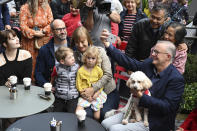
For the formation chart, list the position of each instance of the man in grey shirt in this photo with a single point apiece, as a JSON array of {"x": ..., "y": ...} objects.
[{"x": 97, "y": 21}]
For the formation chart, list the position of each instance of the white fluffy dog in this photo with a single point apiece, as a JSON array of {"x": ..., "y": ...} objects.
[{"x": 138, "y": 81}]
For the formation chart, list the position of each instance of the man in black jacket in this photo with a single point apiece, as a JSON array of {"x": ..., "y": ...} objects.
[
  {"x": 60, "y": 8},
  {"x": 146, "y": 32}
]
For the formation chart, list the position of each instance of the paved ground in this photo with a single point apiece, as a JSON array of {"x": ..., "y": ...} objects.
[{"x": 180, "y": 119}]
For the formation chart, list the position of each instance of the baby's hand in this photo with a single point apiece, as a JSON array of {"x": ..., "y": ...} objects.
[
  {"x": 90, "y": 99},
  {"x": 96, "y": 95}
]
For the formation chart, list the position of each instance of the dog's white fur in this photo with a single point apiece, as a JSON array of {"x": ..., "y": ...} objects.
[{"x": 138, "y": 81}]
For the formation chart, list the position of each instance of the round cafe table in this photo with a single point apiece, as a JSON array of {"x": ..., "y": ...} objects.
[
  {"x": 40, "y": 122},
  {"x": 27, "y": 102}
]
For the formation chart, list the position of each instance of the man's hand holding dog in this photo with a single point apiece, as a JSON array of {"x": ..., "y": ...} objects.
[{"x": 136, "y": 93}]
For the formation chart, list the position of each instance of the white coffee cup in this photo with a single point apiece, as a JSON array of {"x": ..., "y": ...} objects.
[
  {"x": 13, "y": 80},
  {"x": 47, "y": 88},
  {"x": 27, "y": 83},
  {"x": 81, "y": 115}
]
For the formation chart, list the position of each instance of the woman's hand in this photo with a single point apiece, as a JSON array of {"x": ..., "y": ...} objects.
[
  {"x": 90, "y": 3},
  {"x": 180, "y": 129},
  {"x": 8, "y": 84},
  {"x": 39, "y": 34},
  {"x": 53, "y": 90},
  {"x": 104, "y": 35},
  {"x": 87, "y": 93},
  {"x": 118, "y": 41}
]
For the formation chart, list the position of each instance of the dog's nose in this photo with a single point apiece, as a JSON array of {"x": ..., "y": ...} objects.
[{"x": 135, "y": 87}]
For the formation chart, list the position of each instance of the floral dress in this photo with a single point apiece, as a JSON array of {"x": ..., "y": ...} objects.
[{"x": 42, "y": 20}]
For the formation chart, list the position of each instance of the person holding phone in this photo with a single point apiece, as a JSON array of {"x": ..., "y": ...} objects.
[{"x": 99, "y": 18}]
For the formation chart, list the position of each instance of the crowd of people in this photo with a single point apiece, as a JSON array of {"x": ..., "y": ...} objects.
[{"x": 67, "y": 43}]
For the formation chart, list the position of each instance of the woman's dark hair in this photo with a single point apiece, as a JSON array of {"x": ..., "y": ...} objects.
[
  {"x": 182, "y": 2},
  {"x": 5, "y": 35},
  {"x": 180, "y": 32}
]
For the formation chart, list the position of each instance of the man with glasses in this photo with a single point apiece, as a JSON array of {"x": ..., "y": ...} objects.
[
  {"x": 46, "y": 57},
  {"x": 166, "y": 92},
  {"x": 146, "y": 32}
]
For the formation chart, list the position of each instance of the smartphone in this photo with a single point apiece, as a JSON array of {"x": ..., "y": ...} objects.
[
  {"x": 44, "y": 97},
  {"x": 111, "y": 38},
  {"x": 36, "y": 28}
]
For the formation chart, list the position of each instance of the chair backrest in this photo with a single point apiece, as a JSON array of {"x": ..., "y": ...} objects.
[
  {"x": 191, "y": 31},
  {"x": 191, "y": 35},
  {"x": 118, "y": 74}
]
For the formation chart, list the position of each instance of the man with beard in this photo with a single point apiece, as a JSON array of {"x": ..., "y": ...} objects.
[
  {"x": 46, "y": 57},
  {"x": 146, "y": 32}
]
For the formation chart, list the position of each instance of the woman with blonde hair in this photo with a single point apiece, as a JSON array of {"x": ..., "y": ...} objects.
[{"x": 35, "y": 19}]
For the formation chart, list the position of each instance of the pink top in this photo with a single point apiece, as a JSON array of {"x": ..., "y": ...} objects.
[
  {"x": 71, "y": 22},
  {"x": 180, "y": 60}
]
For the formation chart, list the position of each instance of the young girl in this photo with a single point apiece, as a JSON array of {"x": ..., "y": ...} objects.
[
  {"x": 64, "y": 74},
  {"x": 88, "y": 74}
]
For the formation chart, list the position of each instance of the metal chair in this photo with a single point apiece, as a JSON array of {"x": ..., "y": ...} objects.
[{"x": 191, "y": 35}]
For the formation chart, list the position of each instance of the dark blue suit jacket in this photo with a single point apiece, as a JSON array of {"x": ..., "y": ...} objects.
[
  {"x": 166, "y": 92},
  {"x": 44, "y": 63}
]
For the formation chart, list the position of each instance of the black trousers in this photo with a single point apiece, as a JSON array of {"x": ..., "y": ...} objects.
[{"x": 61, "y": 105}]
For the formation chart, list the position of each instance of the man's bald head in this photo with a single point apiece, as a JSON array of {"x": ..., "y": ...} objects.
[{"x": 56, "y": 22}]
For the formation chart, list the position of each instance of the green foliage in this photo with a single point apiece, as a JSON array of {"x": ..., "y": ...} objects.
[
  {"x": 189, "y": 97},
  {"x": 190, "y": 91},
  {"x": 189, "y": 2},
  {"x": 190, "y": 74}
]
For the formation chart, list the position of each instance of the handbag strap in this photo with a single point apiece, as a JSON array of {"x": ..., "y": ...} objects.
[{"x": 178, "y": 11}]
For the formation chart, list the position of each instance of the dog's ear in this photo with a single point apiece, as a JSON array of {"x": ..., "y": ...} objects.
[
  {"x": 147, "y": 83},
  {"x": 128, "y": 83}
]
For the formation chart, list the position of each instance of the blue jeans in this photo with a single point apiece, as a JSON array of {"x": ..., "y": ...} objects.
[
  {"x": 111, "y": 103},
  {"x": 113, "y": 123}
]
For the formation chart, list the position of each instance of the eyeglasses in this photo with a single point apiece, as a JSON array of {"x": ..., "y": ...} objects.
[
  {"x": 60, "y": 29},
  {"x": 158, "y": 52}
]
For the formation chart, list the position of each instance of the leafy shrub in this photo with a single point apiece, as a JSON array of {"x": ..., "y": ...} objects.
[
  {"x": 190, "y": 74},
  {"x": 190, "y": 91},
  {"x": 189, "y": 97}
]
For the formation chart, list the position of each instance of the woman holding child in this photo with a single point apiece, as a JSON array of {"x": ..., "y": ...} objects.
[
  {"x": 13, "y": 61},
  {"x": 81, "y": 40}
]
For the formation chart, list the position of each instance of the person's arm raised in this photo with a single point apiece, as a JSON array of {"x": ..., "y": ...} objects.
[
  {"x": 89, "y": 22},
  {"x": 104, "y": 35},
  {"x": 114, "y": 17}
]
